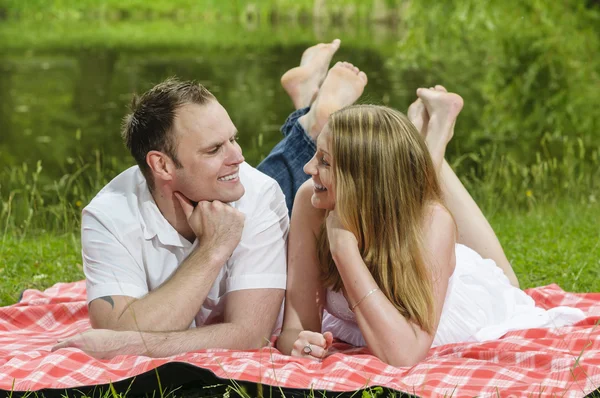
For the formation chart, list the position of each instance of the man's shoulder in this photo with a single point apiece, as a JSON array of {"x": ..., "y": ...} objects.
[
  {"x": 119, "y": 198},
  {"x": 262, "y": 191},
  {"x": 256, "y": 184},
  {"x": 253, "y": 178}
]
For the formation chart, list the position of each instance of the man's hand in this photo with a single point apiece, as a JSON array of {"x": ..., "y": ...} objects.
[
  {"x": 217, "y": 225},
  {"x": 104, "y": 344}
]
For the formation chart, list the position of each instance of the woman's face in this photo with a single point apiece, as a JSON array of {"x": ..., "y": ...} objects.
[{"x": 320, "y": 168}]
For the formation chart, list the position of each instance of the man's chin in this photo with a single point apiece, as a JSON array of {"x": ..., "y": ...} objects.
[{"x": 235, "y": 195}]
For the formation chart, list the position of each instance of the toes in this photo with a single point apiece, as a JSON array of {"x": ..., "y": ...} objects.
[
  {"x": 363, "y": 76},
  {"x": 439, "y": 87},
  {"x": 421, "y": 92},
  {"x": 335, "y": 44}
]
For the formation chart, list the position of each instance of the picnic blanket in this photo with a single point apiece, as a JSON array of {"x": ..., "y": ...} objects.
[{"x": 539, "y": 362}]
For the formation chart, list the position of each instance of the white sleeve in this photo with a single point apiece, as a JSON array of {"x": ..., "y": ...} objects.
[
  {"x": 110, "y": 269},
  {"x": 259, "y": 261}
]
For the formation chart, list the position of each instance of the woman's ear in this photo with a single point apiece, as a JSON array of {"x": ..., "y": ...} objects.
[{"x": 161, "y": 165}]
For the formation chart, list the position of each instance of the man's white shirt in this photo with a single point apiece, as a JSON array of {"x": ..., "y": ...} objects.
[{"x": 130, "y": 249}]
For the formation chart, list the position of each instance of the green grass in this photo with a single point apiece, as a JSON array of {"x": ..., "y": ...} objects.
[
  {"x": 36, "y": 262},
  {"x": 557, "y": 243}
]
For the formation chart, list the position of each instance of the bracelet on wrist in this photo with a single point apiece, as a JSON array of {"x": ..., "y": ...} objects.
[{"x": 363, "y": 299}]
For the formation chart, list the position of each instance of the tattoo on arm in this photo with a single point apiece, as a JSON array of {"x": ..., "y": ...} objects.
[{"x": 108, "y": 299}]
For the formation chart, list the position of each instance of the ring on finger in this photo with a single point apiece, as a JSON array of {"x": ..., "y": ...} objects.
[{"x": 307, "y": 349}]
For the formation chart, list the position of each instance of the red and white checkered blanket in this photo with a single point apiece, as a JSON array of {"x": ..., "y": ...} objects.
[{"x": 538, "y": 362}]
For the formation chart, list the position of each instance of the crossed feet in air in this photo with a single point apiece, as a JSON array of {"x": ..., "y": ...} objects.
[
  {"x": 343, "y": 85},
  {"x": 327, "y": 91},
  {"x": 434, "y": 115},
  {"x": 434, "y": 112},
  {"x": 302, "y": 82}
]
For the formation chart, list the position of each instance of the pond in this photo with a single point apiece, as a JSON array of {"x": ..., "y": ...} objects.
[
  {"x": 62, "y": 99},
  {"x": 65, "y": 103}
]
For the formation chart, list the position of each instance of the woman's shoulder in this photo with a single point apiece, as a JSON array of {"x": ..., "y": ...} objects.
[{"x": 304, "y": 212}]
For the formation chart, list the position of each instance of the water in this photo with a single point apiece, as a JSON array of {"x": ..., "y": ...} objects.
[
  {"x": 58, "y": 105},
  {"x": 62, "y": 101}
]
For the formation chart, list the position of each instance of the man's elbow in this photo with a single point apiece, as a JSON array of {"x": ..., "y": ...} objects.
[
  {"x": 248, "y": 339},
  {"x": 257, "y": 342},
  {"x": 107, "y": 324}
]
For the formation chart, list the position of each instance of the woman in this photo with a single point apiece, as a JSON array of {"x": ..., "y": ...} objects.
[{"x": 373, "y": 257}]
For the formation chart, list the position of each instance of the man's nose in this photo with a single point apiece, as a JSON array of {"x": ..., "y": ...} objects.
[{"x": 235, "y": 154}]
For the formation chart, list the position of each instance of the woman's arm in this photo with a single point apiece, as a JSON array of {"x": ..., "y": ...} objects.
[
  {"x": 390, "y": 336},
  {"x": 305, "y": 296}
]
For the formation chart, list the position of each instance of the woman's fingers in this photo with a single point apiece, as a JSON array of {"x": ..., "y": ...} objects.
[
  {"x": 328, "y": 339},
  {"x": 316, "y": 353},
  {"x": 310, "y": 345},
  {"x": 312, "y": 338}
]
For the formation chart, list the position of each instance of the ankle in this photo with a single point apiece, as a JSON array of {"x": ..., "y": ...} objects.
[{"x": 310, "y": 125}]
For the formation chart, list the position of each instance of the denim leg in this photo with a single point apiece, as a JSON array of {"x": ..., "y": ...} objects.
[{"x": 286, "y": 161}]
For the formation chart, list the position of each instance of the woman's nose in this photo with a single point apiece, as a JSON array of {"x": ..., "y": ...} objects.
[{"x": 309, "y": 168}]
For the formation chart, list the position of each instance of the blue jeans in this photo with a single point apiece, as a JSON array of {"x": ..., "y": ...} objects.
[{"x": 286, "y": 161}]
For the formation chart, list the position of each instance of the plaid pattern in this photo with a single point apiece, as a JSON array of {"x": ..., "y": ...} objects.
[{"x": 537, "y": 362}]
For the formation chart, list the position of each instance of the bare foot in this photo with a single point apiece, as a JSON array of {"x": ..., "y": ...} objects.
[
  {"x": 343, "y": 85},
  {"x": 302, "y": 82},
  {"x": 443, "y": 109},
  {"x": 418, "y": 115}
]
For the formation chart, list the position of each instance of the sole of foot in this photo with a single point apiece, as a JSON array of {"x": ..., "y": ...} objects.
[
  {"x": 442, "y": 108},
  {"x": 440, "y": 104},
  {"x": 418, "y": 115},
  {"x": 343, "y": 85},
  {"x": 302, "y": 82}
]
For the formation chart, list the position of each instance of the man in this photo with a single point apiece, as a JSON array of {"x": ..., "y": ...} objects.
[{"x": 192, "y": 236}]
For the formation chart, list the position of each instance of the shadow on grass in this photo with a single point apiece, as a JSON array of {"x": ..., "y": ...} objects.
[{"x": 174, "y": 380}]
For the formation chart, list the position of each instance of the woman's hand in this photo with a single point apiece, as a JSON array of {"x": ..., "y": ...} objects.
[
  {"x": 339, "y": 237},
  {"x": 102, "y": 343},
  {"x": 312, "y": 345}
]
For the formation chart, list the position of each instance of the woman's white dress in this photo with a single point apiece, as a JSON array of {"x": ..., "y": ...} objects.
[{"x": 480, "y": 305}]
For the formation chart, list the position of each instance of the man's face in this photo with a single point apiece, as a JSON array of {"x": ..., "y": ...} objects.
[{"x": 209, "y": 153}]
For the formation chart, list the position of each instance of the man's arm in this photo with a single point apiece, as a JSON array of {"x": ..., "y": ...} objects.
[
  {"x": 174, "y": 304},
  {"x": 244, "y": 326},
  {"x": 244, "y": 329}
]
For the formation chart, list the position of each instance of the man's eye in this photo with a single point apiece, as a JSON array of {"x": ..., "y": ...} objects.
[{"x": 214, "y": 150}]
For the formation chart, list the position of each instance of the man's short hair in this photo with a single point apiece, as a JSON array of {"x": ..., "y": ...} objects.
[{"x": 148, "y": 126}]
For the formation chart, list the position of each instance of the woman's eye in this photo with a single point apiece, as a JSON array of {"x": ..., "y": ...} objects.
[{"x": 323, "y": 161}]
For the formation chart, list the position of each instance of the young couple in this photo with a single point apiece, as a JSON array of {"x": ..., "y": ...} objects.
[{"x": 386, "y": 248}]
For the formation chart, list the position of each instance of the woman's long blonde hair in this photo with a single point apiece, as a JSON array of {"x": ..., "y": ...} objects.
[{"x": 384, "y": 180}]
